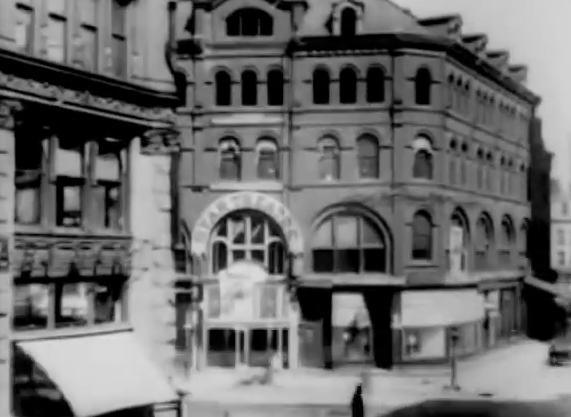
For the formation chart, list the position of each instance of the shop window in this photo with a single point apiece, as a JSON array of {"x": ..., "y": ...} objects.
[
  {"x": 423, "y": 86},
  {"x": 275, "y": 87},
  {"x": 249, "y": 88},
  {"x": 223, "y": 87},
  {"x": 368, "y": 155},
  {"x": 71, "y": 303},
  {"x": 118, "y": 38},
  {"x": 423, "y": 164},
  {"x": 108, "y": 190},
  {"x": 329, "y": 159},
  {"x": 268, "y": 159},
  {"x": 248, "y": 236},
  {"x": 24, "y": 28},
  {"x": 348, "y": 243},
  {"x": 421, "y": 236},
  {"x": 348, "y": 22},
  {"x": 69, "y": 167},
  {"x": 249, "y": 22},
  {"x": 30, "y": 306},
  {"x": 30, "y": 156},
  {"x": 321, "y": 86},
  {"x": 375, "y": 85},
  {"x": 108, "y": 303},
  {"x": 348, "y": 86},
  {"x": 230, "y": 160}
]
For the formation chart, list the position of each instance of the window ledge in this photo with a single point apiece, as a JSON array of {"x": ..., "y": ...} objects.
[
  {"x": 247, "y": 186},
  {"x": 423, "y": 263}
]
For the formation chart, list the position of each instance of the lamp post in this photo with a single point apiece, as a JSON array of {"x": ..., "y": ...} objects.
[{"x": 454, "y": 337}]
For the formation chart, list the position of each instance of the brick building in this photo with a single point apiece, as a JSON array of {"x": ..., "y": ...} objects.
[
  {"x": 86, "y": 128},
  {"x": 352, "y": 184}
]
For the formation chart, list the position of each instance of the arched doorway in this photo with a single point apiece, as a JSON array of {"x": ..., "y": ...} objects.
[{"x": 247, "y": 317}]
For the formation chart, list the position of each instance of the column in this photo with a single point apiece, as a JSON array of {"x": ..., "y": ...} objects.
[{"x": 7, "y": 110}]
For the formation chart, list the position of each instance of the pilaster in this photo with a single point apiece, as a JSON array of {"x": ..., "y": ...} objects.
[{"x": 7, "y": 111}]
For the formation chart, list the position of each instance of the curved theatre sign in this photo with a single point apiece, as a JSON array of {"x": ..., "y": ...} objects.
[{"x": 245, "y": 201}]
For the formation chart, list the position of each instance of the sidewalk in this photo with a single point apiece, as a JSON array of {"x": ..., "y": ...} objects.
[{"x": 515, "y": 371}]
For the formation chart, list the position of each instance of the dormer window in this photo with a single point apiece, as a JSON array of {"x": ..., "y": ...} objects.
[{"x": 249, "y": 22}]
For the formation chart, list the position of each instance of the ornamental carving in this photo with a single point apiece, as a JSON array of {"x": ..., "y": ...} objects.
[
  {"x": 66, "y": 256},
  {"x": 8, "y": 109},
  {"x": 82, "y": 98}
]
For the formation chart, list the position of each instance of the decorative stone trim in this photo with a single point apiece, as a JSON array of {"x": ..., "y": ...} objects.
[
  {"x": 62, "y": 95},
  {"x": 160, "y": 141}
]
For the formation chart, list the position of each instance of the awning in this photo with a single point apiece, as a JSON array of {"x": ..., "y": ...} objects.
[{"x": 99, "y": 374}]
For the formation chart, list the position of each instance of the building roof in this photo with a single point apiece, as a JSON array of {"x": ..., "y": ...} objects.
[{"x": 381, "y": 16}]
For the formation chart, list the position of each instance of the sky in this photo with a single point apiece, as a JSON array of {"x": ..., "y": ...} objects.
[{"x": 537, "y": 34}]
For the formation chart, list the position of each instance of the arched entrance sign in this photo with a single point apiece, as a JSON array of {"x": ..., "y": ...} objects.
[{"x": 246, "y": 200}]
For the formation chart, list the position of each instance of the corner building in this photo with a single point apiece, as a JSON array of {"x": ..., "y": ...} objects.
[
  {"x": 86, "y": 130},
  {"x": 352, "y": 184}
]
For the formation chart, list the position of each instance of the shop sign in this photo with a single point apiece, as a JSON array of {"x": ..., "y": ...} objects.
[
  {"x": 240, "y": 201},
  {"x": 4, "y": 254}
]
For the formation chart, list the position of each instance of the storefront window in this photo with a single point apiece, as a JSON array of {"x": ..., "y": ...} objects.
[
  {"x": 30, "y": 306},
  {"x": 71, "y": 305},
  {"x": 107, "y": 302},
  {"x": 247, "y": 236},
  {"x": 348, "y": 243},
  {"x": 69, "y": 162}
]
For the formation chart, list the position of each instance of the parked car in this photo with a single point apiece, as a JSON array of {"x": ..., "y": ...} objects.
[{"x": 560, "y": 349}]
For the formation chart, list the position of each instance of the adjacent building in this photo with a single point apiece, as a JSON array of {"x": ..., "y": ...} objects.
[
  {"x": 86, "y": 130},
  {"x": 352, "y": 184}
]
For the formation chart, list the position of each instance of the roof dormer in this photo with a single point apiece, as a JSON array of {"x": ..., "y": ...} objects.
[
  {"x": 499, "y": 59},
  {"x": 449, "y": 26},
  {"x": 347, "y": 18},
  {"x": 476, "y": 42},
  {"x": 518, "y": 73}
]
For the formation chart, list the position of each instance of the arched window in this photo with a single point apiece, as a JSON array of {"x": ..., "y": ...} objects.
[
  {"x": 268, "y": 159},
  {"x": 368, "y": 154},
  {"x": 321, "y": 86},
  {"x": 275, "y": 87},
  {"x": 484, "y": 242},
  {"x": 347, "y": 86},
  {"x": 348, "y": 22},
  {"x": 422, "y": 86},
  {"x": 375, "y": 85},
  {"x": 522, "y": 238},
  {"x": 223, "y": 87},
  {"x": 458, "y": 241},
  {"x": 251, "y": 236},
  {"x": 423, "y": 164},
  {"x": 230, "y": 159},
  {"x": 422, "y": 236},
  {"x": 348, "y": 242},
  {"x": 249, "y": 88},
  {"x": 507, "y": 233},
  {"x": 329, "y": 159},
  {"x": 249, "y": 22}
]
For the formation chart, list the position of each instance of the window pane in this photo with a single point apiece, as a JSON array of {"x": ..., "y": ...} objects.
[
  {"x": 24, "y": 30},
  {"x": 113, "y": 218},
  {"x": 238, "y": 229},
  {"x": 258, "y": 226},
  {"x": 324, "y": 235},
  {"x": 277, "y": 256},
  {"x": 375, "y": 260},
  {"x": 346, "y": 232},
  {"x": 328, "y": 164},
  {"x": 370, "y": 234},
  {"x": 275, "y": 88},
  {"x": 219, "y": 257},
  {"x": 89, "y": 47},
  {"x": 108, "y": 167},
  {"x": 233, "y": 25},
  {"x": 267, "y": 164},
  {"x": 347, "y": 86},
  {"x": 422, "y": 165},
  {"x": 72, "y": 305},
  {"x": 182, "y": 307},
  {"x": 323, "y": 260},
  {"x": 375, "y": 85},
  {"x": 107, "y": 296},
  {"x": 69, "y": 162},
  {"x": 69, "y": 205},
  {"x": 348, "y": 22},
  {"x": 238, "y": 255},
  {"x": 27, "y": 204},
  {"x": 258, "y": 256},
  {"x": 57, "y": 32},
  {"x": 119, "y": 53},
  {"x": 249, "y": 88},
  {"x": 230, "y": 165},
  {"x": 321, "y": 86},
  {"x": 223, "y": 89},
  {"x": 347, "y": 260},
  {"x": 30, "y": 306},
  {"x": 368, "y": 167}
]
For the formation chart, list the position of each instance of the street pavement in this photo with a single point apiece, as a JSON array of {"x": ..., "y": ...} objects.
[{"x": 517, "y": 372}]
